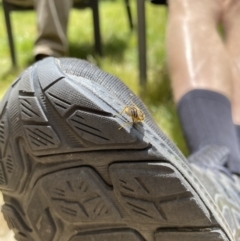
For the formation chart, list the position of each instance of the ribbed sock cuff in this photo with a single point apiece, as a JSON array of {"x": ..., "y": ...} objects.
[{"x": 206, "y": 119}]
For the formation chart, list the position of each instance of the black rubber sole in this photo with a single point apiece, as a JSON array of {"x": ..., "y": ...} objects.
[{"x": 68, "y": 173}]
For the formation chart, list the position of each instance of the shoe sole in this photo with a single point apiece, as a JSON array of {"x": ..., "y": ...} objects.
[{"x": 68, "y": 173}]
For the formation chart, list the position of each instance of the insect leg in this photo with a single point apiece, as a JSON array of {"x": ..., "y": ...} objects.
[
  {"x": 120, "y": 112},
  {"x": 127, "y": 123}
]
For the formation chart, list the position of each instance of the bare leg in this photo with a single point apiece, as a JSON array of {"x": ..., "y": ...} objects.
[
  {"x": 196, "y": 54},
  {"x": 200, "y": 68},
  {"x": 52, "y": 19},
  {"x": 231, "y": 21}
]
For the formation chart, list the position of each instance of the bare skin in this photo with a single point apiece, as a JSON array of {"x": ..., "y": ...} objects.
[
  {"x": 231, "y": 22},
  {"x": 198, "y": 57}
]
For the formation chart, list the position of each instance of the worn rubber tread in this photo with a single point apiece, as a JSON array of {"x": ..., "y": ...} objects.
[{"x": 68, "y": 173}]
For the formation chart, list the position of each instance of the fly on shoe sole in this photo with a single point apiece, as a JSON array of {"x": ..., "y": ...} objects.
[
  {"x": 134, "y": 112},
  {"x": 68, "y": 173}
]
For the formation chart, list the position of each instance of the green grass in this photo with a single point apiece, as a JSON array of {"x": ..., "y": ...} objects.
[{"x": 120, "y": 54}]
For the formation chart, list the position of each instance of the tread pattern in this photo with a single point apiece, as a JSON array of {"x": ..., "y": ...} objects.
[
  {"x": 64, "y": 95},
  {"x": 31, "y": 110},
  {"x": 156, "y": 193},
  {"x": 51, "y": 194},
  {"x": 4, "y": 130},
  {"x": 41, "y": 137},
  {"x": 16, "y": 223},
  {"x": 48, "y": 72},
  {"x": 108, "y": 235},
  {"x": 4, "y": 101},
  {"x": 7, "y": 169},
  {"x": 41, "y": 219},
  {"x": 227, "y": 198},
  {"x": 78, "y": 196},
  {"x": 86, "y": 125},
  {"x": 45, "y": 226},
  {"x": 3, "y": 180},
  {"x": 26, "y": 85}
]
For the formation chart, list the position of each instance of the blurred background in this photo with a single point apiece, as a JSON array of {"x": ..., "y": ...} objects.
[
  {"x": 119, "y": 48},
  {"x": 120, "y": 57}
]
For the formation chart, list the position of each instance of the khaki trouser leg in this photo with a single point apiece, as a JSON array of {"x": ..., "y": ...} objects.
[{"x": 52, "y": 20}]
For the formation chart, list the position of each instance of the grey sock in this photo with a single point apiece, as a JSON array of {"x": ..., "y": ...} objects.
[
  {"x": 207, "y": 120},
  {"x": 238, "y": 133}
]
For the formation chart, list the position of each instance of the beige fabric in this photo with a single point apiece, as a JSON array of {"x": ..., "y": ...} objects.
[{"x": 52, "y": 20}]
